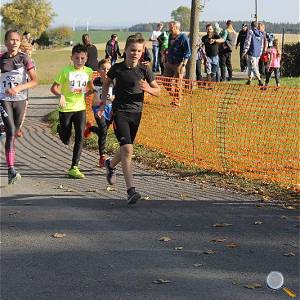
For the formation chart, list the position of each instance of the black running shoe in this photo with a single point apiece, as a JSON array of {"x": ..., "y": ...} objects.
[
  {"x": 133, "y": 198},
  {"x": 13, "y": 176},
  {"x": 111, "y": 173}
]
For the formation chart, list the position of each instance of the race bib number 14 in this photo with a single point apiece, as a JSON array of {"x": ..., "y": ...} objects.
[{"x": 78, "y": 82}]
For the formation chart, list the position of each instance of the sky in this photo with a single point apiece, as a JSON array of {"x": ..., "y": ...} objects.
[{"x": 130, "y": 12}]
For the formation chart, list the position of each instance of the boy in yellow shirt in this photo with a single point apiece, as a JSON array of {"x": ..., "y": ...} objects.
[{"x": 70, "y": 86}]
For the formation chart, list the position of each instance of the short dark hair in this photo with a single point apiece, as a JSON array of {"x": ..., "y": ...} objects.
[
  {"x": 113, "y": 36},
  {"x": 84, "y": 36},
  {"x": 254, "y": 24},
  {"x": 135, "y": 38},
  {"x": 229, "y": 22},
  {"x": 8, "y": 32},
  {"x": 208, "y": 25},
  {"x": 78, "y": 48}
]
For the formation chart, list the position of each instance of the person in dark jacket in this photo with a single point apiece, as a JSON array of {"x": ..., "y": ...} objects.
[
  {"x": 112, "y": 50},
  {"x": 253, "y": 48},
  {"x": 240, "y": 42},
  {"x": 92, "y": 60}
]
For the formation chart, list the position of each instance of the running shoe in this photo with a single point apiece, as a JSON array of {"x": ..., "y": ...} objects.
[
  {"x": 13, "y": 177},
  {"x": 248, "y": 82},
  {"x": 87, "y": 131},
  {"x": 19, "y": 134},
  {"x": 75, "y": 173},
  {"x": 102, "y": 160},
  {"x": 133, "y": 198},
  {"x": 111, "y": 173},
  {"x": 260, "y": 83}
]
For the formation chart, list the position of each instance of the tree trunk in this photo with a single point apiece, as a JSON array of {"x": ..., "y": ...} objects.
[{"x": 194, "y": 38}]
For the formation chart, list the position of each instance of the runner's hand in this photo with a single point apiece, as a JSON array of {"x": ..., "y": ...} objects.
[
  {"x": 12, "y": 91},
  {"x": 62, "y": 101},
  {"x": 144, "y": 85}
]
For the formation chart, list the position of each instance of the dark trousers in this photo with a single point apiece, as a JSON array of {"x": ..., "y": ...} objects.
[
  {"x": 66, "y": 120},
  {"x": 225, "y": 62},
  {"x": 276, "y": 73},
  {"x": 198, "y": 69},
  {"x": 243, "y": 61}
]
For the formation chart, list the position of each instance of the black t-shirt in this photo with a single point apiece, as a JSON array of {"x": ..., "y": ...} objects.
[
  {"x": 211, "y": 49},
  {"x": 128, "y": 95},
  {"x": 92, "y": 61}
]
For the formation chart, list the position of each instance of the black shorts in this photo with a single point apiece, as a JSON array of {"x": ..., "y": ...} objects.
[{"x": 126, "y": 125}]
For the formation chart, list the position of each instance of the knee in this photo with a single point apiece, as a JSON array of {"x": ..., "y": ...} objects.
[{"x": 127, "y": 150}]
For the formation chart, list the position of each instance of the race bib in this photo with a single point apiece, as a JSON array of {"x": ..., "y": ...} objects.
[
  {"x": 78, "y": 82},
  {"x": 10, "y": 80}
]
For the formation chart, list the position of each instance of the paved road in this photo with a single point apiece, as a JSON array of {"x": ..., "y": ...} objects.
[{"x": 111, "y": 251}]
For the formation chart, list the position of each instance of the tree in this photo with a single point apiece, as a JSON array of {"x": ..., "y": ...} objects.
[
  {"x": 194, "y": 38},
  {"x": 183, "y": 15},
  {"x": 33, "y": 16},
  {"x": 60, "y": 34}
]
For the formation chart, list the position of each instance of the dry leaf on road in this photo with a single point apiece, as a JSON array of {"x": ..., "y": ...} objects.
[
  {"x": 209, "y": 251},
  {"x": 258, "y": 222},
  {"x": 109, "y": 188},
  {"x": 58, "y": 235},
  {"x": 164, "y": 239},
  {"x": 232, "y": 245},
  {"x": 253, "y": 286},
  {"x": 218, "y": 240},
  {"x": 161, "y": 281},
  {"x": 289, "y": 254},
  {"x": 178, "y": 248},
  {"x": 222, "y": 225},
  {"x": 197, "y": 265}
]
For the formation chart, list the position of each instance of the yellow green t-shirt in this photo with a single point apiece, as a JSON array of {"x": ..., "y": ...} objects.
[{"x": 73, "y": 84}]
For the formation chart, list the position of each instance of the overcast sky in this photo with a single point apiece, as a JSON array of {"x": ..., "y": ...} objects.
[{"x": 130, "y": 12}]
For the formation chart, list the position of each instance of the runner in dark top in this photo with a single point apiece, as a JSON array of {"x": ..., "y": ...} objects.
[
  {"x": 14, "y": 66},
  {"x": 132, "y": 79}
]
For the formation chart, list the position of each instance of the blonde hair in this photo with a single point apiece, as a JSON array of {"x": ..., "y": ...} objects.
[{"x": 276, "y": 46}]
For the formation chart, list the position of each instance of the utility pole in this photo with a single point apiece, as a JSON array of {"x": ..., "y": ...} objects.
[
  {"x": 194, "y": 38},
  {"x": 256, "y": 16}
]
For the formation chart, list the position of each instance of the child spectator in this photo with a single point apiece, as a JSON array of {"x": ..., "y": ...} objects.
[
  {"x": 70, "y": 86},
  {"x": 274, "y": 65}
]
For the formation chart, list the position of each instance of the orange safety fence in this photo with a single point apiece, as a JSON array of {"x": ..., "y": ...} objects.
[{"x": 232, "y": 128}]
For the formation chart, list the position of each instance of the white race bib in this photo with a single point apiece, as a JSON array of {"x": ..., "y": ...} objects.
[{"x": 78, "y": 82}]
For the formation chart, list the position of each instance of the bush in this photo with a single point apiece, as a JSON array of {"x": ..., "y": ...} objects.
[{"x": 291, "y": 60}]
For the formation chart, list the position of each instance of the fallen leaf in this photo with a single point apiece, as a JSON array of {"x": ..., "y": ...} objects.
[
  {"x": 232, "y": 245},
  {"x": 60, "y": 187},
  {"x": 91, "y": 191},
  {"x": 290, "y": 207},
  {"x": 222, "y": 225},
  {"x": 197, "y": 265},
  {"x": 109, "y": 188},
  {"x": 258, "y": 222},
  {"x": 289, "y": 254},
  {"x": 183, "y": 196},
  {"x": 165, "y": 239},
  {"x": 266, "y": 198},
  {"x": 178, "y": 248},
  {"x": 43, "y": 156},
  {"x": 258, "y": 205},
  {"x": 209, "y": 251},
  {"x": 58, "y": 235},
  {"x": 161, "y": 281},
  {"x": 253, "y": 286},
  {"x": 146, "y": 198},
  {"x": 13, "y": 213},
  {"x": 218, "y": 240}
]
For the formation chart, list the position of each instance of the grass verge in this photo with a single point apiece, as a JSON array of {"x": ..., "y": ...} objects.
[{"x": 268, "y": 192}]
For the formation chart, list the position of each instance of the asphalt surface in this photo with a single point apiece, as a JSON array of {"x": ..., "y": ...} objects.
[{"x": 110, "y": 251}]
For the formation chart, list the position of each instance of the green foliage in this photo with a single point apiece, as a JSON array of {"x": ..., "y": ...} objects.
[
  {"x": 183, "y": 15},
  {"x": 60, "y": 34},
  {"x": 44, "y": 39},
  {"x": 33, "y": 16},
  {"x": 291, "y": 60}
]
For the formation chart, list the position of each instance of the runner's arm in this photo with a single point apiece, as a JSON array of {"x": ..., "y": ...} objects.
[
  {"x": 151, "y": 88},
  {"x": 105, "y": 88}
]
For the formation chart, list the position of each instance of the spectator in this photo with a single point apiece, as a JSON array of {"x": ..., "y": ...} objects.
[
  {"x": 225, "y": 50},
  {"x": 240, "y": 42},
  {"x": 155, "y": 47},
  {"x": 92, "y": 60},
  {"x": 263, "y": 60},
  {"x": 201, "y": 58},
  {"x": 163, "y": 41},
  {"x": 179, "y": 52},
  {"x": 211, "y": 42},
  {"x": 253, "y": 48},
  {"x": 217, "y": 28},
  {"x": 112, "y": 50}
]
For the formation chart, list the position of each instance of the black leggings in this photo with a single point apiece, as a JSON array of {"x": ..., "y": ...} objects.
[
  {"x": 101, "y": 131},
  {"x": 12, "y": 122},
  {"x": 66, "y": 119},
  {"x": 276, "y": 73},
  {"x": 126, "y": 125}
]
